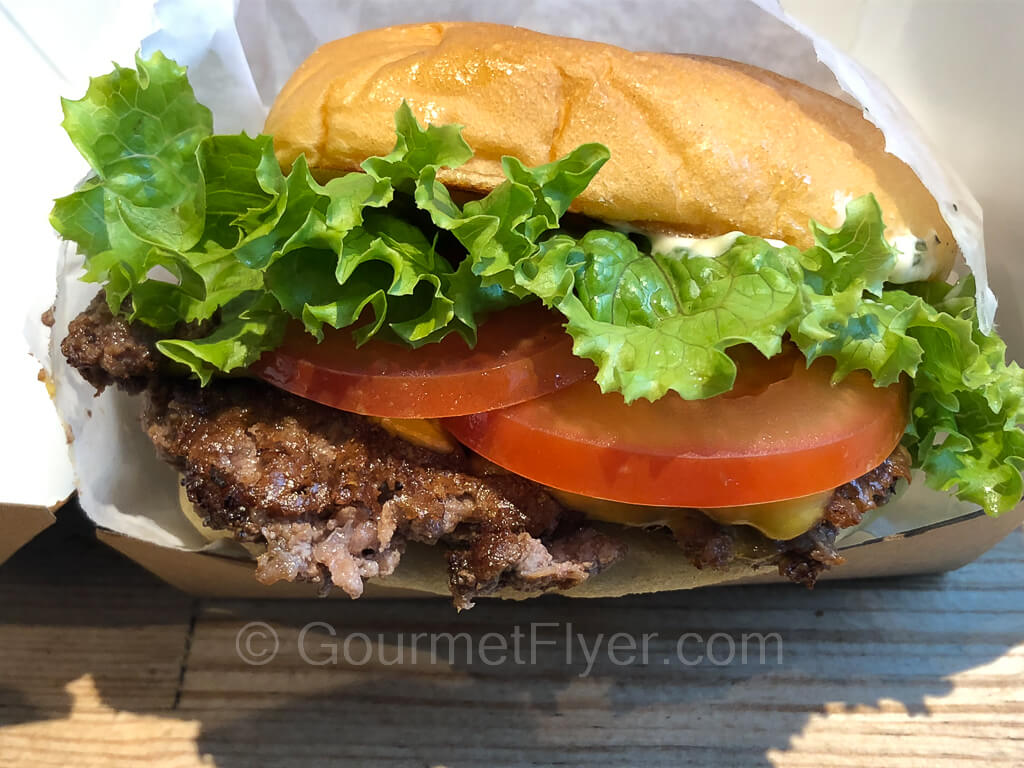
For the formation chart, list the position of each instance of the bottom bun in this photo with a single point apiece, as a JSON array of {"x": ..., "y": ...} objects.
[
  {"x": 212, "y": 535},
  {"x": 653, "y": 563}
]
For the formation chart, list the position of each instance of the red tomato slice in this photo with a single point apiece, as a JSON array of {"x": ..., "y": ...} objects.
[
  {"x": 784, "y": 432},
  {"x": 521, "y": 353}
]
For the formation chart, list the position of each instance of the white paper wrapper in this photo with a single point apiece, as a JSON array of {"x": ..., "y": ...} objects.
[
  {"x": 238, "y": 58},
  {"x": 905, "y": 139}
]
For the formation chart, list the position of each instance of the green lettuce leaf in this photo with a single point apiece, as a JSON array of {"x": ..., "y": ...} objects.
[
  {"x": 249, "y": 325},
  {"x": 139, "y": 130},
  {"x": 855, "y": 252},
  {"x": 417, "y": 149},
  {"x": 502, "y": 229},
  {"x": 863, "y": 333},
  {"x": 654, "y": 322},
  {"x": 80, "y": 217},
  {"x": 967, "y": 405}
]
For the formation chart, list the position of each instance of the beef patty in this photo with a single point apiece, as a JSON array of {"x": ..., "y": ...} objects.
[{"x": 335, "y": 498}]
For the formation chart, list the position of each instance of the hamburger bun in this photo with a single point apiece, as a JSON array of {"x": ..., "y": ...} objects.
[
  {"x": 699, "y": 146},
  {"x": 652, "y": 563}
]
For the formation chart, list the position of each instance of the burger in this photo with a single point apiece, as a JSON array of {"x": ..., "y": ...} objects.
[{"x": 533, "y": 313}]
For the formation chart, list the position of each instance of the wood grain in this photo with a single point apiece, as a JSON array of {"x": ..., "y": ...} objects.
[{"x": 101, "y": 666}]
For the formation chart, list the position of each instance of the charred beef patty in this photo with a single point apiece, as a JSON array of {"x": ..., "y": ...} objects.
[
  {"x": 106, "y": 350},
  {"x": 335, "y": 498}
]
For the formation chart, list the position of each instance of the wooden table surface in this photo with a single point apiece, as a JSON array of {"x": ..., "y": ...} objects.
[{"x": 102, "y": 666}]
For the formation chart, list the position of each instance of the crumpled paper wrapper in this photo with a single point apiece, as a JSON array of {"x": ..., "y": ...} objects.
[{"x": 238, "y": 59}]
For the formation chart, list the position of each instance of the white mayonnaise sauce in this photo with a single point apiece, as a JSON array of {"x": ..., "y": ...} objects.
[
  {"x": 707, "y": 247},
  {"x": 915, "y": 256}
]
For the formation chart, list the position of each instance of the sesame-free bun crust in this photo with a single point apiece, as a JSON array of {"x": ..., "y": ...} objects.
[{"x": 699, "y": 146}]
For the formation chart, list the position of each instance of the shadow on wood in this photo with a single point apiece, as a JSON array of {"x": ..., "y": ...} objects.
[{"x": 549, "y": 681}]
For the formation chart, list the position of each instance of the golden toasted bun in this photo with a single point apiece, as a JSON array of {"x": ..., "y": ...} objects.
[{"x": 699, "y": 146}]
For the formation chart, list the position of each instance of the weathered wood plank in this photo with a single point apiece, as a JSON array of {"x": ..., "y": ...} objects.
[{"x": 102, "y": 667}]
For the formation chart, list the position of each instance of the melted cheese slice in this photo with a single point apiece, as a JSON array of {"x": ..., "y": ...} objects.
[
  {"x": 426, "y": 433},
  {"x": 776, "y": 520}
]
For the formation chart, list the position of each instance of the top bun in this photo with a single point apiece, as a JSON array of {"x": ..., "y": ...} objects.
[{"x": 699, "y": 146}]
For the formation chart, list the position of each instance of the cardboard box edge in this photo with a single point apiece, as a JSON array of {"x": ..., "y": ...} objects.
[{"x": 20, "y": 524}]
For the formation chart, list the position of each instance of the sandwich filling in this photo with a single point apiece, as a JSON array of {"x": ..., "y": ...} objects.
[
  {"x": 333, "y": 497},
  {"x": 212, "y": 259}
]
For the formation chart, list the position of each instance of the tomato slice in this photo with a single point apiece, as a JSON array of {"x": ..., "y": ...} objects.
[
  {"x": 783, "y": 433},
  {"x": 521, "y": 353}
]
